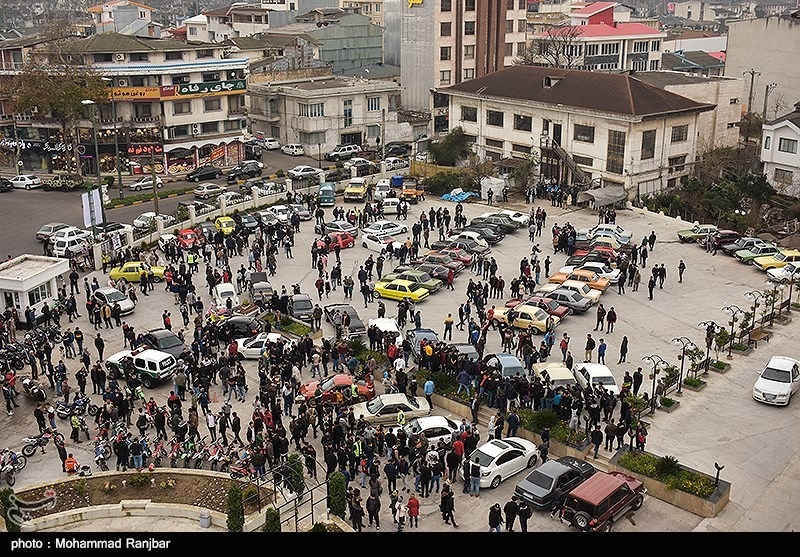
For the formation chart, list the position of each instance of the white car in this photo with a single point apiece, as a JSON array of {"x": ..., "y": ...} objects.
[
  {"x": 383, "y": 409},
  {"x": 789, "y": 272},
  {"x": 146, "y": 183},
  {"x": 281, "y": 212},
  {"x": 385, "y": 228},
  {"x": 421, "y": 157},
  {"x": 110, "y": 295},
  {"x": 516, "y": 216},
  {"x": 594, "y": 374},
  {"x": 376, "y": 243},
  {"x": 26, "y": 181},
  {"x": 258, "y": 163},
  {"x": 598, "y": 267},
  {"x": 222, "y": 291},
  {"x": 207, "y": 190},
  {"x": 393, "y": 163},
  {"x": 355, "y": 161},
  {"x": 232, "y": 197},
  {"x": 165, "y": 239},
  {"x": 145, "y": 220},
  {"x": 303, "y": 171},
  {"x": 271, "y": 143},
  {"x": 778, "y": 381},
  {"x": 70, "y": 233},
  {"x": 502, "y": 458},
  {"x": 250, "y": 348},
  {"x": 434, "y": 428}
]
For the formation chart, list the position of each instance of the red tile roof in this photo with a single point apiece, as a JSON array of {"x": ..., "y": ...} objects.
[
  {"x": 603, "y": 30},
  {"x": 593, "y": 8}
]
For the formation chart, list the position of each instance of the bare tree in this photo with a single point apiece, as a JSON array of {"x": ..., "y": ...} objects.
[{"x": 561, "y": 47}]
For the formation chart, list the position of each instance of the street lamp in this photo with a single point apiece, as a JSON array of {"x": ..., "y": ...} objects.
[
  {"x": 770, "y": 293},
  {"x": 735, "y": 311},
  {"x": 686, "y": 344},
  {"x": 656, "y": 361},
  {"x": 87, "y": 103},
  {"x": 757, "y": 296},
  {"x": 711, "y": 329},
  {"x": 116, "y": 137},
  {"x": 791, "y": 286}
]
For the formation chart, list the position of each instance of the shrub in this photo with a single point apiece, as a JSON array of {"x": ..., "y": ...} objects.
[
  {"x": 297, "y": 480},
  {"x": 719, "y": 365},
  {"x": 12, "y": 525},
  {"x": 235, "y": 508},
  {"x": 249, "y": 493},
  {"x": 666, "y": 401},
  {"x": 667, "y": 465},
  {"x": 336, "y": 494},
  {"x": 667, "y": 471},
  {"x": 319, "y": 527},
  {"x": 272, "y": 520},
  {"x": 139, "y": 479},
  {"x": 692, "y": 381}
]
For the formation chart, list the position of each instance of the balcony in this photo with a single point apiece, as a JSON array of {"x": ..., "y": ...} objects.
[
  {"x": 146, "y": 119},
  {"x": 109, "y": 121}
]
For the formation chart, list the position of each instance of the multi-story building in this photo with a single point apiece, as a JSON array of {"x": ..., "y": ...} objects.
[
  {"x": 585, "y": 128},
  {"x": 763, "y": 49},
  {"x": 125, "y": 17},
  {"x": 599, "y": 37},
  {"x": 237, "y": 20},
  {"x": 439, "y": 43},
  {"x": 780, "y": 154},
  {"x": 184, "y": 102},
  {"x": 370, "y": 8}
]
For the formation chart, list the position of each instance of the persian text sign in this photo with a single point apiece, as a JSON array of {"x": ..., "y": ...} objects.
[
  {"x": 210, "y": 88},
  {"x": 134, "y": 93}
]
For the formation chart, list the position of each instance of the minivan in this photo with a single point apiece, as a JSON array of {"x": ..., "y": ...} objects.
[
  {"x": 327, "y": 194},
  {"x": 294, "y": 149},
  {"x": 391, "y": 205},
  {"x": 74, "y": 245}
]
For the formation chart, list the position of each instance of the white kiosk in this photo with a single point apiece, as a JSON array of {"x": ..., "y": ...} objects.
[{"x": 30, "y": 281}]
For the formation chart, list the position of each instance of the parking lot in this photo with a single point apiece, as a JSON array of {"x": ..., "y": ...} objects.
[{"x": 756, "y": 444}]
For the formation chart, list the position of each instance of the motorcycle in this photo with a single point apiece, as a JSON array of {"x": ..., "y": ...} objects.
[
  {"x": 215, "y": 456},
  {"x": 34, "y": 390},
  {"x": 201, "y": 454},
  {"x": 11, "y": 360},
  {"x": 79, "y": 406},
  {"x": 175, "y": 453},
  {"x": 241, "y": 469},
  {"x": 10, "y": 464},
  {"x": 35, "y": 441},
  {"x": 100, "y": 457},
  {"x": 159, "y": 452},
  {"x": 84, "y": 427},
  {"x": 187, "y": 452}
]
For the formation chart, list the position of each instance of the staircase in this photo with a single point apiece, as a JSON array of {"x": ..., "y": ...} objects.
[{"x": 578, "y": 176}]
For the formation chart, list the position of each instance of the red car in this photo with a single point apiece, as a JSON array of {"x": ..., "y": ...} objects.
[
  {"x": 188, "y": 238},
  {"x": 343, "y": 239},
  {"x": 459, "y": 255},
  {"x": 333, "y": 388},
  {"x": 437, "y": 258},
  {"x": 549, "y": 305},
  {"x": 608, "y": 254}
]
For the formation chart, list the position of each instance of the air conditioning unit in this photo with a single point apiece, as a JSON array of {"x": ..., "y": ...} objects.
[
  {"x": 122, "y": 82},
  {"x": 195, "y": 129},
  {"x": 215, "y": 77},
  {"x": 119, "y": 57}
]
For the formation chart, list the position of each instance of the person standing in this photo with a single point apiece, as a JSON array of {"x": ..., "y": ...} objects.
[
  {"x": 373, "y": 507},
  {"x": 651, "y": 240},
  {"x": 611, "y": 434},
  {"x": 611, "y": 319},
  {"x": 447, "y": 504},
  {"x": 524, "y": 513},
  {"x": 428, "y": 389},
  {"x": 662, "y": 275},
  {"x": 623, "y": 350},
  {"x": 510, "y": 510},
  {"x": 100, "y": 345},
  {"x": 601, "y": 351},
  {"x": 651, "y": 285},
  {"x": 475, "y": 479},
  {"x": 495, "y": 517},
  {"x": 448, "y": 327},
  {"x": 638, "y": 377},
  {"x": 681, "y": 269},
  {"x": 601, "y": 317},
  {"x": 564, "y": 346},
  {"x": 413, "y": 511},
  {"x": 596, "y": 438},
  {"x": 588, "y": 348}
]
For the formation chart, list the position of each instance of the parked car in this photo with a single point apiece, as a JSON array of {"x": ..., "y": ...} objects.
[
  {"x": 329, "y": 242},
  {"x": 522, "y": 218},
  {"x": 528, "y": 317},
  {"x": 225, "y": 224},
  {"x": 436, "y": 271},
  {"x": 146, "y": 183},
  {"x": 721, "y": 238},
  {"x": 239, "y": 326},
  {"x": 357, "y": 327},
  {"x": 598, "y": 267},
  {"x": 776, "y": 260},
  {"x": 565, "y": 473},
  {"x": 355, "y": 161},
  {"x": 778, "y": 381},
  {"x": 604, "y": 230},
  {"x": 246, "y": 220},
  {"x": 747, "y": 256},
  {"x": 385, "y": 228},
  {"x": 401, "y": 289},
  {"x": 301, "y": 307},
  {"x": 377, "y": 243},
  {"x": 110, "y": 295},
  {"x": 434, "y": 428},
  {"x": 696, "y": 232},
  {"x": 438, "y": 258},
  {"x": 303, "y": 171},
  {"x": 582, "y": 275},
  {"x": 557, "y": 374},
  {"x": 204, "y": 173},
  {"x": 243, "y": 171},
  {"x": 601, "y": 500},
  {"x": 5, "y": 185},
  {"x": 47, "y": 230},
  {"x": 336, "y": 226},
  {"x": 383, "y": 408},
  {"x": 507, "y": 365},
  {"x": 395, "y": 163},
  {"x": 147, "y": 220},
  {"x": 150, "y": 366},
  {"x": 26, "y": 181},
  {"x": 335, "y": 389},
  {"x": 466, "y": 244},
  {"x": 593, "y": 374},
  {"x": 294, "y": 149},
  {"x": 131, "y": 271},
  {"x": 415, "y": 275},
  {"x": 251, "y": 348},
  {"x": 270, "y": 143},
  {"x": 785, "y": 274},
  {"x": 70, "y": 233},
  {"x": 165, "y": 341},
  {"x": 342, "y": 152},
  {"x": 573, "y": 300},
  {"x": 744, "y": 242},
  {"x": 104, "y": 230},
  {"x": 549, "y": 305},
  {"x": 224, "y": 291},
  {"x": 301, "y": 211},
  {"x": 502, "y": 458},
  {"x": 504, "y": 221},
  {"x": 415, "y": 338},
  {"x": 207, "y": 190}
]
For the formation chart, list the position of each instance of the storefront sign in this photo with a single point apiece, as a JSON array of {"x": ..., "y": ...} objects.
[
  {"x": 210, "y": 88},
  {"x": 218, "y": 153},
  {"x": 6, "y": 143},
  {"x": 136, "y": 93},
  {"x": 145, "y": 149},
  {"x": 412, "y": 2}
]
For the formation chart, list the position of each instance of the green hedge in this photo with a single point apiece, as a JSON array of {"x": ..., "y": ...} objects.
[
  {"x": 235, "y": 508},
  {"x": 131, "y": 199}
]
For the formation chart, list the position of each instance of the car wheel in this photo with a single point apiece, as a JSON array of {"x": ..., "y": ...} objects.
[
  {"x": 27, "y": 186},
  {"x": 532, "y": 461},
  {"x": 495, "y": 482},
  {"x": 138, "y": 188},
  {"x": 157, "y": 278},
  {"x": 376, "y": 293},
  {"x": 147, "y": 382},
  {"x": 495, "y": 323},
  {"x": 196, "y": 179},
  {"x": 581, "y": 520},
  {"x": 217, "y": 175},
  {"x": 606, "y": 527},
  {"x": 637, "y": 503}
]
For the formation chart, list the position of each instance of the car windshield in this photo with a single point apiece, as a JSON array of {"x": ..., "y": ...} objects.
[
  {"x": 606, "y": 380},
  {"x": 301, "y": 304},
  {"x": 375, "y": 405},
  {"x": 226, "y": 293},
  {"x": 780, "y": 257},
  {"x": 777, "y": 375},
  {"x": 541, "y": 480},
  {"x": 115, "y": 296},
  {"x": 482, "y": 458}
]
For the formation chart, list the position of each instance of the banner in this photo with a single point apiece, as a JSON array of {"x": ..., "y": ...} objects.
[
  {"x": 206, "y": 89},
  {"x": 136, "y": 93},
  {"x": 92, "y": 208}
]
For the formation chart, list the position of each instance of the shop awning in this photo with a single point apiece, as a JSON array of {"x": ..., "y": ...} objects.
[{"x": 606, "y": 195}]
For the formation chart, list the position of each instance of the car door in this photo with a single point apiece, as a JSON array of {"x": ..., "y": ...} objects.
[
  {"x": 795, "y": 378},
  {"x": 568, "y": 480},
  {"x": 582, "y": 377}
]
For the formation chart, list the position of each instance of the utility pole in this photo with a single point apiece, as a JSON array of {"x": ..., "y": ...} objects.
[
  {"x": 767, "y": 90},
  {"x": 383, "y": 133},
  {"x": 753, "y": 75},
  {"x": 153, "y": 176}
]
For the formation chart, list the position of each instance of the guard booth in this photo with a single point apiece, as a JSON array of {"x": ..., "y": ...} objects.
[{"x": 30, "y": 281}]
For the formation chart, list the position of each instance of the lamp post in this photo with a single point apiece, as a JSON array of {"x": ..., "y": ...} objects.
[
  {"x": 781, "y": 288},
  {"x": 770, "y": 293},
  {"x": 87, "y": 103},
  {"x": 791, "y": 285},
  {"x": 686, "y": 344},
  {"x": 319, "y": 155},
  {"x": 735, "y": 311},
  {"x": 116, "y": 137},
  {"x": 711, "y": 329},
  {"x": 656, "y": 361},
  {"x": 756, "y": 296}
]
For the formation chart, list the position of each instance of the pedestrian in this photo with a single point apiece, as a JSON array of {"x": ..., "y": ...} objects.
[
  {"x": 544, "y": 449},
  {"x": 611, "y": 319},
  {"x": 495, "y": 518},
  {"x": 588, "y": 348},
  {"x": 601, "y": 351},
  {"x": 100, "y": 345},
  {"x": 651, "y": 285},
  {"x": 558, "y": 502},
  {"x": 428, "y": 388},
  {"x": 448, "y": 327},
  {"x": 638, "y": 377},
  {"x": 447, "y": 504},
  {"x": 524, "y": 513},
  {"x": 475, "y": 478},
  {"x": 623, "y": 350},
  {"x": 651, "y": 240},
  {"x": 510, "y": 510},
  {"x": 601, "y": 317},
  {"x": 412, "y": 506},
  {"x": 596, "y": 438},
  {"x": 402, "y": 511},
  {"x": 662, "y": 275},
  {"x": 373, "y": 507},
  {"x": 681, "y": 269},
  {"x": 611, "y": 434}
]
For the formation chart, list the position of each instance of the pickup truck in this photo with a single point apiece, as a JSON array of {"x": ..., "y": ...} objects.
[
  {"x": 64, "y": 182},
  {"x": 356, "y": 190},
  {"x": 413, "y": 191}
]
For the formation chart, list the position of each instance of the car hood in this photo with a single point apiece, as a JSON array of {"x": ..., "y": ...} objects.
[{"x": 771, "y": 387}]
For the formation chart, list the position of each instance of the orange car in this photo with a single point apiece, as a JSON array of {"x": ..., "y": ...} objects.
[
  {"x": 333, "y": 388},
  {"x": 583, "y": 275}
]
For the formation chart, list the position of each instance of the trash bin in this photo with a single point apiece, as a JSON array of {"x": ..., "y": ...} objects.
[{"x": 205, "y": 519}]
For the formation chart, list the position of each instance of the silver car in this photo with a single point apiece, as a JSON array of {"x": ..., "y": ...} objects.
[{"x": 109, "y": 295}]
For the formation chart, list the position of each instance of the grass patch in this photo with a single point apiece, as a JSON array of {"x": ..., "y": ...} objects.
[
  {"x": 692, "y": 381},
  {"x": 288, "y": 325},
  {"x": 665, "y": 469}
]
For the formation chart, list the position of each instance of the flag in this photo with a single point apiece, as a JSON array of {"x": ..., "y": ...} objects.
[{"x": 92, "y": 208}]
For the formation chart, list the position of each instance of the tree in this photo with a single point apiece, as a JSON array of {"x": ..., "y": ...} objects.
[
  {"x": 272, "y": 520},
  {"x": 559, "y": 48},
  {"x": 524, "y": 174},
  {"x": 480, "y": 168},
  {"x": 450, "y": 149},
  {"x": 337, "y": 502},
  {"x": 296, "y": 478},
  {"x": 235, "y": 508}
]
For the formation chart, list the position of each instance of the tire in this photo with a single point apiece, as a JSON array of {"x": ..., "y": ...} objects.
[
  {"x": 607, "y": 526},
  {"x": 495, "y": 482},
  {"x": 11, "y": 479},
  {"x": 224, "y": 467},
  {"x": 29, "y": 450},
  {"x": 138, "y": 188},
  {"x": 65, "y": 188},
  {"x": 157, "y": 279},
  {"x": 235, "y": 476},
  {"x": 18, "y": 365},
  {"x": 637, "y": 503},
  {"x": 217, "y": 175},
  {"x": 581, "y": 520},
  {"x": 93, "y": 409},
  {"x": 147, "y": 382},
  {"x": 22, "y": 462},
  {"x": 59, "y": 436},
  {"x": 532, "y": 461},
  {"x": 57, "y": 337},
  {"x": 376, "y": 294},
  {"x": 27, "y": 186},
  {"x": 495, "y": 323}
]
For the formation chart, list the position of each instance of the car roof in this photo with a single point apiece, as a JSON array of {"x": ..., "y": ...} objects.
[
  {"x": 555, "y": 370},
  {"x": 161, "y": 332},
  {"x": 431, "y": 421},
  {"x": 599, "y": 486},
  {"x": 782, "y": 362}
]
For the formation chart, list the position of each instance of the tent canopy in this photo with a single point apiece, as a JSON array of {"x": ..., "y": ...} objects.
[{"x": 606, "y": 195}]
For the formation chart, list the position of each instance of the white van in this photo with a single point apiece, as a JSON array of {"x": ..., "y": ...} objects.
[
  {"x": 151, "y": 366},
  {"x": 294, "y": 149},
  {"x": 74, "y": 244},
  {"x": 382, "y": 189},
  {"x": 391, "y": 206},
  {"x": 387, "y": 326}
]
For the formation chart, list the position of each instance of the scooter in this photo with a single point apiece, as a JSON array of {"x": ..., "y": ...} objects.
[
  {"x": 159, "y": 452},
  {"x": 34, "y": 390},
  {"x": 216, "y": 454}
]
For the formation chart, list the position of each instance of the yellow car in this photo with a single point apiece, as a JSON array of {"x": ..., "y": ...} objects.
[
  {"x": 131, "y": 271},
  {"x": 400, "y": 289},
  {"x": 226, "y": 225},
  {"x": 777, "y": 260},
  {"x": 524, "y": 316}
]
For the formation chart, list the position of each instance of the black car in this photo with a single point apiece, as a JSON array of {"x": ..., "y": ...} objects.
[
  {"x": 566, "y": 473},
  {"x": 165, "y": 341},
  {"x": 241, "y": 326},
  {"x": 436, "y": 271},
  {"x": 243, "y": 171},
  {"x": 6, "y": 185},
  {"x": 246, "y": 220},
  {"x": 356, "y": 328},
  {"x": 505, "y": 223},
  {"x": 365, "y": 168},
  {"x": 397, "y": 150},
  {"x": 301, "y": 307},
  {"x": 204, "y": 173},
  {"x": 492, "y": 234}
]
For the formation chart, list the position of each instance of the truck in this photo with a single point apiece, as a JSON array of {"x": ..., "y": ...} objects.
[
  {"x": 64, "y": 182},
  {"x": 413, "y": 190},
  {"x": 260, "y": 289},
  {"x": 327, "y": 194},
  {"x": 356, "y": 190}
]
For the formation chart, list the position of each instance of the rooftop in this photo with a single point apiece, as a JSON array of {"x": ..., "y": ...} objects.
[
  {"x": 26, "y": 266},
  {"x": 593, "y": 8},
  {"x": 596, "y": 30},
  {"x": 793, "y": 117},
  {"x": 666, "y": 78}
]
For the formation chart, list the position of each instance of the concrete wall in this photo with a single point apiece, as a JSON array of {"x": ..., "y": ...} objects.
[
  {"x": 707, "y": 44},
  {"x": 417, "y": 43}
]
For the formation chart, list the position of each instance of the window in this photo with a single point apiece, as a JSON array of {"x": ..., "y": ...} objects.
[
  {"x": 767, "y": 142},
  {"x": 522, "y": 5},
  {"x": 210, "y": 105},
  {"x": 655, "y": 46},
  {"x": 211, "y": 76},
  {"x": 444, "y": 77},
  {"x": 445, "y": 29},
  {"x": 444, "y": 52},
  {"x": 210, "y": 127},
  {"x": 784, "y": 176},
  {"x": 469, "y": 113},
  {"x": 521, "y": 49},
  {"x": 786, "y": 145},
  {"x": 584, "y": 133},
  {"x": 348, "y": 112},
  {"x": 440, "y": 100},
  {"x": 373, "y": 104},
  {"x": 181, "y": 107},
  {"x": 509, "y": 26},
  {"x": 672, "y": 182},
  {"x": 142, "y": 110},
  {"x": 639, "y": 65},
  {"x": 654, "y": 64},
  {"x": 192, "y": 31},
  {"x": 615, "y": 152},
  {"x": 640, "y": 46},
  {"x": 733, "y": 101},
  {"x": 469, "y": 73},
  {"x": 173, "y": 55},
  {"x": 447, "y": 5},
  {"x": 469, "y": 27},
  {"x": 204, "y": 53},
  {"x": 609, "y": 48},
  {"x": 180, "y": 79},
  {"x": 592, "y": 49},
  {"x": 315, "y": 110},
  {"x": 522, "y": 25},
  {"x": 39, "y": 294},
  {"x": 103, "y": 58},
  {"x": 648, "y": 144},
  {"x": 680, "y": 133},
  {"x": 494, "y": 118},
  {"x": 496, "y": 143},
  {"x": 509, "y": 4},
  {"x": 139, "y": 57},
  {"x": 469, "y": 51},
  {"x": 677, "y": 164},
  {"x": 235, "y": 125},
  {"x": 585, "y": 161},
  {"x": 523, "y": 123},
  {"x": 509, "y": 49},
  {"x": 517, "y": 148},
  {"x": 469, "y": 5}
]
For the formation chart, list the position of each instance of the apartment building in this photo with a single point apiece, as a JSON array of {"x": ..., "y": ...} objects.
[
  {"x": 779, "y": 152},
  {"x": 373, "y": 9},
  {"x": 125, "y": 17},
  {"x": 236, "y": 20}
]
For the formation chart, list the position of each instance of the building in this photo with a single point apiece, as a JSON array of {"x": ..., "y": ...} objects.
[
  {"x": 585, "y": 128},
  {"x": 125, "y": 17},
  {"x": 237, "y": 20},
  {"x": 688, "y": 40},
  {"x": 182, "y": 102},
  {"x": 439, "y": 43},
  {"x": 695, "y": 62},
  {"x": 715, "y": 128},
  {"x": 779, "y": 152},
  {"x": 763, "y": 49},
  {"x": 347, "y": 39},
  {"x": 30, "y": 281},
  {"x": 323, "y": 112},
  {"x": 373, "y": 9},
  {"x": 599, "y": 36},
  {"x": 696, "y": 10}
]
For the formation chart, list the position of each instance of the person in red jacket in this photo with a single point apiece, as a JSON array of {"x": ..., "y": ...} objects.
[{"x": 413, "y": 511}]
